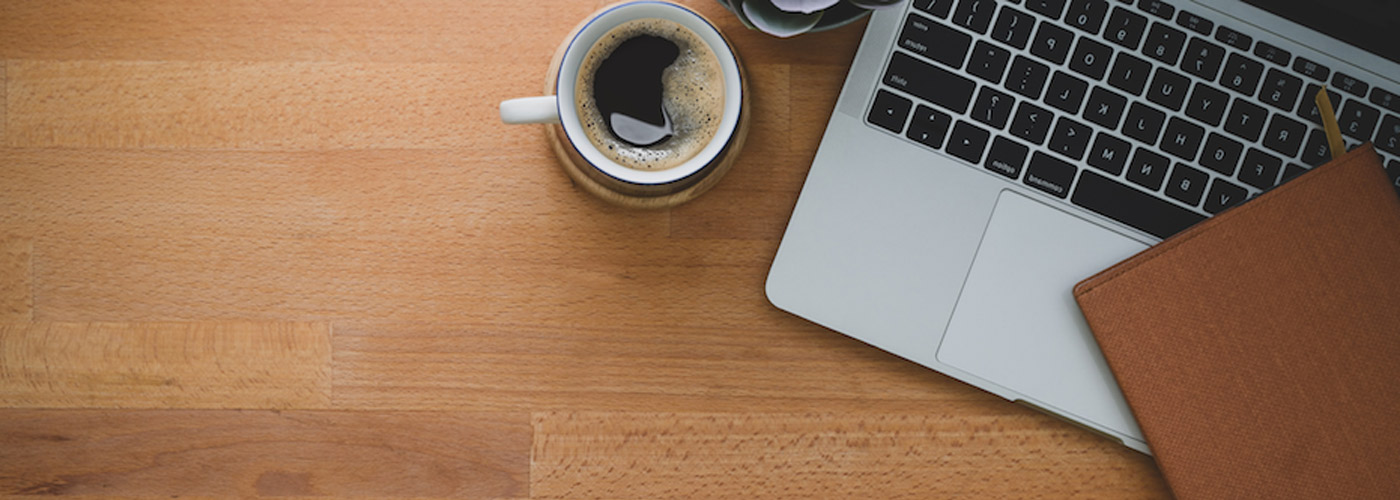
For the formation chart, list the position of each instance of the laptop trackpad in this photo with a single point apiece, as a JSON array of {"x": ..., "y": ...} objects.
[{"x": 1016, "y": 323}]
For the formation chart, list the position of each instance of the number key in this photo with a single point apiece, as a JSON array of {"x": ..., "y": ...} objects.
[
  {"x": 1125, "y": 28},
  {"x": 1164, "y": 43},
  {"x": 1203, "y": 58},
  {"x": 1280, "y": 90},
  {"x": 974, "y": 14},
  {"x": 1241, "y": 74},
  {"x": 1086, "y": 15},
  {"x": 1358, "y": 120},
  {"x": 1388, "y": 136}
]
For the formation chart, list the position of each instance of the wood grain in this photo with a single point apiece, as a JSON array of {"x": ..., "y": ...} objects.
[
  {"x": 114, "y": 453},
  {"x": 409, "y": 31},
  {"x": 165, "y": 365},
  {"x": 493, "y": 367},
  {"x": 950, "y": 453},
  {"x": 214, "y": 209},
  {"x": 16, "y": 301}
]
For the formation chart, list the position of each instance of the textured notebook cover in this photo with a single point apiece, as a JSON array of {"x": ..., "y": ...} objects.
[{"x": 1260, "y": 349}]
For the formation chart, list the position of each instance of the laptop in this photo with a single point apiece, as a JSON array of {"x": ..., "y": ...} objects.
[{"x": 984, "y": 156}]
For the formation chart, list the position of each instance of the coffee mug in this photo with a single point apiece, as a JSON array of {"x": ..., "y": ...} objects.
[{"x": 647, "y": 105}]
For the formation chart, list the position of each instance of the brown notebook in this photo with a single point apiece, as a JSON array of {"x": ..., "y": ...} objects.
[{"x": 1260, "y": 349}]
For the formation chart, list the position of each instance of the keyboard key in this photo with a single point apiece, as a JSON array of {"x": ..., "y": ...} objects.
[
  {"x": 1031, "y": 123},
  {"x": 1129, "y": 73},
  {"x": 1105, "y": 108},
  {"x": 1392, "y": 168},
  {"x": 967, "y": 142},
  {"x": 1311, "y": 69},
  {"x": 1272, "y": 54},
  {"x": 1307, "y": 104},
  {"x": 929, "y": 82},
  {"x": 992, "y": 107},
  {"x": 1358, "y": 120},
  {"x": 1203, "y": 58},
  {"x": 988, "y": 62},
  {"x": 1222, "y": 154},
  {"x": 1316, "y": 151},
  {"x": 1246, "y": 120},
  {"x": 889, "y": 111},
  {"x": 1260, "y": 169},
  {"x": 1086, "y": 15},
  {"x": 1143, "y": 123},
  {"x": 1385, "y": 99},
  {"x": 1168, "y": 89},
  {"x": 1109, "y": 153},
  {"x": 934, "y": 40},
  {"x": 1388, "y": 135},
  {"x": 1148, "y": 169},
  {"x": 938, "y": 8},
  {"x": 1284, "y": 135},
  {"x": 1280, "y": 90},
  {"x": 1006, "y": 157},
  {"x": 1125, "y": 28},
  {"x": 1182, "y": 138},
  {"x": 1164, "y": 43},
  {"x": 1233, "y": 38},
  {"x": 1194, "y": 23},
  {"x": 1224, "y": 194},
  {"x": 1207, "y": 104},
  {"x": 1160, "y": 9},
  {"x": 1050, "y": 174},
  {"x": 1291, "y": 171},
  {"x": 1241, "y": 74},
  {"x": 1090, "y": 58},
  {"x": 1013, "y": 27},
  {"x": 1027, "y": 77},
  {"x": 975, "y": 15},
  {"x": 1052, "y": 43},
  {"x": 1349, "y": 84},
  {"x": 1124, "y": 204},
  {"x": 1070, "y": 138},
  {"x": 1047, "y": 8},
  {"x": 1187, "y": 184},
  {"x": 1065, "y": 92},
  {"x": 929, "y": 126}
]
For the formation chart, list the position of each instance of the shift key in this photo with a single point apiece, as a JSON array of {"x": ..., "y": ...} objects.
[{"x": 929, "y": 82}]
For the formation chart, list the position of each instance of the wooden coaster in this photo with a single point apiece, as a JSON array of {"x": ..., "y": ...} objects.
[{"x": 573, "y": 163}]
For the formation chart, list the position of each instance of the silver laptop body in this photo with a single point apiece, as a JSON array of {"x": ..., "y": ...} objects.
[{"x": 966, "y": 267}]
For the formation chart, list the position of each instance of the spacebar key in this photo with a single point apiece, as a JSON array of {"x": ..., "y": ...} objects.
[
  {"x": 929, "y": 82},
  {"x": 1132, "y": 207}
]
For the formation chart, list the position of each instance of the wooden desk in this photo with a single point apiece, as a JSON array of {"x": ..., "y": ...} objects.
[{"x": 286, "y": 248}]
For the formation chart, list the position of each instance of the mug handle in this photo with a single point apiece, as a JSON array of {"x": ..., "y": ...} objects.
[{"x": 542, "y": 109}]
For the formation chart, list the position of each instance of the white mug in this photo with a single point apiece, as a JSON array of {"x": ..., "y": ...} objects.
[{"x": 593, "y": 170}]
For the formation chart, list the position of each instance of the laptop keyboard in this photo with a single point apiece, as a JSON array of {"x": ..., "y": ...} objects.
[{"x": 1149, "y": 115}]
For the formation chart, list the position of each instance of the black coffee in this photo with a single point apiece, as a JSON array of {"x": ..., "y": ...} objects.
[
  {"x": 627, "y": 88},
  {"x": 650, "y": 94}
]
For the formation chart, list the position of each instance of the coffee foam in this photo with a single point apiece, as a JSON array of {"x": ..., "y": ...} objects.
[{"x": 693, "y": 95}]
